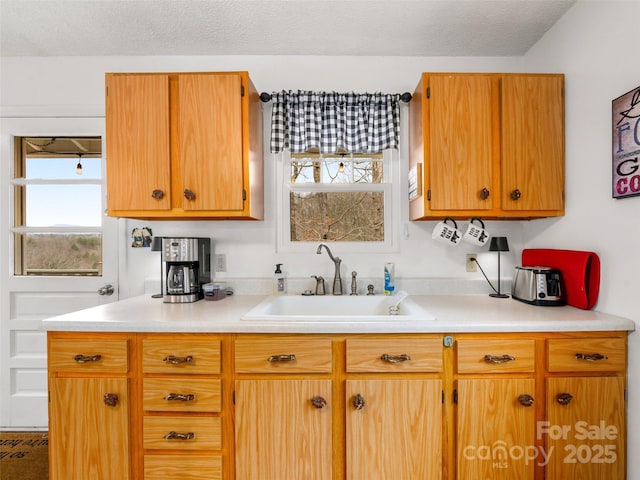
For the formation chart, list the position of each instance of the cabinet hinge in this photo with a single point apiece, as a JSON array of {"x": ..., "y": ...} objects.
[
  {"x": 429, "y": 194},
  {"x": 244, "y": 194},
  {"x": 233, "y": 397},
  {"x": 443, "y": 397},
  {"x": 242, "y": 90},
  {"x": 428, "y": 92},
  {"x": 455, "y": 396}
]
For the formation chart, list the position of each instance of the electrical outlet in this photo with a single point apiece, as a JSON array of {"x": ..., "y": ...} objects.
[
  {"x": 221, "y": 262},
  {"x": 472, "y": 266}
]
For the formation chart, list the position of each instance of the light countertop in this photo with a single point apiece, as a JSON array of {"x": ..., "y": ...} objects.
[{"x": 453, "y": 314}]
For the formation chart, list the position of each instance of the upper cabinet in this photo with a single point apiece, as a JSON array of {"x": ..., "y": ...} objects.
[
  {"x": 184, "y": 146},
  {"x": 487, "y": 145}
]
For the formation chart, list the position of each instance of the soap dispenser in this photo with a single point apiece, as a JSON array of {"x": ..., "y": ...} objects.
[{"x": 279, "y": 281}]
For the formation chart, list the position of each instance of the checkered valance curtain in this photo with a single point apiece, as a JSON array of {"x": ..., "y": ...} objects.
[{"x": 329, "y": 121}]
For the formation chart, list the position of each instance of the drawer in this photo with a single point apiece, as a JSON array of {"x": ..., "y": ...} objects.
[
  {"x": 90, "y": 355},
  {"x": 180, "y": 394},
  {"x": 394, "y": 355},
  {"x": 587, "y": 354},
  {"x": 183, "y": 355},
  {"x": 283, "y": 355},
  {"x": 496, "y": 356},
  {"x": 188, "y": 432},
  {"x": 184, "y": 467}
]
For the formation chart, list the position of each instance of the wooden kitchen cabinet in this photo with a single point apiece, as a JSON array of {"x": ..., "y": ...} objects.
[
  {"x": 394, "y": 424},
  {"x": 89, "y": 407},
  {"x": 487, "y": 145},
  {"x": 184, "y": 146}
]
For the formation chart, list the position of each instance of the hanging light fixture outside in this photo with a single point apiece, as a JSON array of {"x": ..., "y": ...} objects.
[{"x": 79, "y": 166}]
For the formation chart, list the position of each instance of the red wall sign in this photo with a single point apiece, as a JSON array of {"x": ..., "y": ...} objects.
[{"x": 626, "y": 144}]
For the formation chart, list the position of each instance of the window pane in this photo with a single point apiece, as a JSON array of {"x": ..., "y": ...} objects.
[
  {"x": 337, "y": 216},
  {"x": 62, "y": 254},
  {"x": 62, "y": 168},
  {"x": 63, "y": 205}
]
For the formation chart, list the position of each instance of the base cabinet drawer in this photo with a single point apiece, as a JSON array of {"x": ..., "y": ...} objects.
[
  {"x": 183, "y": 467},
  {"x": 182, "y": 394},
  {"x": 587, "y": 355},
  {"x": 496, "y": 356},
  {"x": 182, "y": 433}
]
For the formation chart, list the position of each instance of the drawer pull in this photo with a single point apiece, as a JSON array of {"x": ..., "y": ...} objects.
[
  {"x": 318, "y": 402},
  {"x": 395, "y": 358},
  {"x": 282, "y": 358},
  {"x": 498, "y": 359},
  {"x": 183, "y": 397},
  {"x": 564, "y": 398},
  {"x": 525, "y": 400},
  {"x": 358, "y": 401},
  {"x": 180, "y": 436},
  {"x": 87, "y": 358},
  {"x": 591, "y": 357},
  {"x": 110, "y": 399},
  {"x": 173, "y": 360}
]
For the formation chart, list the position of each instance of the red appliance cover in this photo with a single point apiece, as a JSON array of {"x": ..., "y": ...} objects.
[{"x": 580, "y": 272}]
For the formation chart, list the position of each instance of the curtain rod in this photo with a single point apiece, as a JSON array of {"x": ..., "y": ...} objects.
[{"x": 266, "y": 97}]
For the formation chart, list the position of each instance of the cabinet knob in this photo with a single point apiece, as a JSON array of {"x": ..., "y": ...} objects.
[
  {"x": 110, "y": 399},
  {"x": 189, "y": 195},
  {"x": 395, "y": 358},
  {"x": 498, "y": 359},
  {"x": 591, "y": 357},
  {"x": 484, "y": 193},
  {"x": 516, "y": 194},
  {"x": 318, "y": 402},
  {"x": 157, "y": 194},
  {"x": 282, "y": 358},
  {"x": 173, "y": 360},
  {"x": 564, "y": 398},
  {"x": 180, "y": 436},
  {"x": 525, "y": 400},
  {"x": 182, "y": 397},
  {"x": 358, "y": 401},
  {"x": 87, "y": 358}
]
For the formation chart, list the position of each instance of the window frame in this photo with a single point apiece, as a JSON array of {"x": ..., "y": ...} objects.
[
  {"x": 390, "y": 187},
  {"x": 19, "y": 230}
]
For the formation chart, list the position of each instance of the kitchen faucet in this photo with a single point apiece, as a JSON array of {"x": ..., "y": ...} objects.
[{"x": 337, "y": 281}]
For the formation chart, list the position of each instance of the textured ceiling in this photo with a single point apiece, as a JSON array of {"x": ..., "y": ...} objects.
[{"x": 275, "y": 27}]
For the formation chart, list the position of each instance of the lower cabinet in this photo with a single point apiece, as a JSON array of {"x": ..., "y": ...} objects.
[{"x": 528, "y": 406}]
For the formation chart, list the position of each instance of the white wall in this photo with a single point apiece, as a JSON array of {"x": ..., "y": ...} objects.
[{"x": 596, "y": 45}]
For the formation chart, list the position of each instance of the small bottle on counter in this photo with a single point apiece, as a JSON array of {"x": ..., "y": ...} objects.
[
  {"x": 389, "y": 285},
  {"x": 279, "y": 281}
]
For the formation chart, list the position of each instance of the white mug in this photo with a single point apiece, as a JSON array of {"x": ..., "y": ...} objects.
[
  {"x": 475, "y": 234},
  {"x": 446, "y": 233}
]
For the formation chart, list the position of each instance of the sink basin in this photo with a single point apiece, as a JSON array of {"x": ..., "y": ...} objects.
[{"x": 339, "y": 308}]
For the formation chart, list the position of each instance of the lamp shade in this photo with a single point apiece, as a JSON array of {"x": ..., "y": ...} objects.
[{"x": 499, "y": 244}]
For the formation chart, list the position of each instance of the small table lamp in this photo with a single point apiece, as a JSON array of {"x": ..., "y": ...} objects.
[{"x": 499, "y": 244}]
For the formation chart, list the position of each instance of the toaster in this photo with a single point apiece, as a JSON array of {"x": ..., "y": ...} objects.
[{"x": 538, "y": 286}]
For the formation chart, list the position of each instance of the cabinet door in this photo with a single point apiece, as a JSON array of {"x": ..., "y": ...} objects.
[
  {"x": 210, "y": 141},
  {"x": 585, "y": 432},
  {"x": 397, "y": 433},
  {"x": 495, "y": 431},
  {"x": 460, "y": 142},
  {"x": 137, "y": 141},
  {"x": 533, "y": 142},
  {"x": 89, "y": 439},
  {"x": 280, "y": 433}
]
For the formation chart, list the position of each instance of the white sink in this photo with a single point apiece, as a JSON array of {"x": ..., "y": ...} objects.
[{"x": 338, "y": 308}]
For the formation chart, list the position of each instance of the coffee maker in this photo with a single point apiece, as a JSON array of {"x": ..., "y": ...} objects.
[{"x": 186, "y": 266}]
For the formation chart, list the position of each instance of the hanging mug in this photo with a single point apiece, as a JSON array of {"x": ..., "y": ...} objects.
[
  {"x": 475, "y": 234},
  {"x": 447, "y": 233}
]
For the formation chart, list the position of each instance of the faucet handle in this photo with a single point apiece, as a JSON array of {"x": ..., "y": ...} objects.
[
  {"x": 320, "y": 290},
  {"x": 354, "y": 283},
  {"x": 370, "y": 289}
]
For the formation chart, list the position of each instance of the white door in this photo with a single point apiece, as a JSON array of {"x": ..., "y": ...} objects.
[{"x": 26, "y": 299}]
